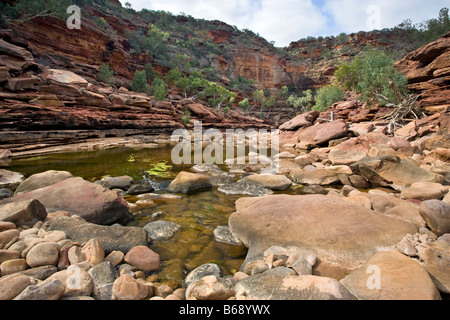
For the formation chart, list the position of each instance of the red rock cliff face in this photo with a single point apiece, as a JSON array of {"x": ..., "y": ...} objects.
[
  {"x": 268, "y": 70},
  {"x": 81, "y": 51},
  {"x": 428, "y": 73}
]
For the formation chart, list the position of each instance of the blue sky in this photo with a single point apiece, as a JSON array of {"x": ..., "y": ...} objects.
[{"x": 284, "y": 21}]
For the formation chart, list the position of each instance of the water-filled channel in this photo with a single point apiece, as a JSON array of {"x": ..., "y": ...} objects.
[{"x": 197, "y": 214}]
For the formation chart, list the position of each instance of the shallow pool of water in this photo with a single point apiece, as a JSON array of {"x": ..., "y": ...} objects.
[{"x": 197, "y": 214}]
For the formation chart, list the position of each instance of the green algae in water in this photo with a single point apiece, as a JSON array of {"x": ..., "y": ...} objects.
[
  {"x": 198, "y": 214},
  {"x": 162, "y": 170}
]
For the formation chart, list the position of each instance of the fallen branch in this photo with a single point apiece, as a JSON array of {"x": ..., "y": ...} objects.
[{"x": 407, "y": 108}]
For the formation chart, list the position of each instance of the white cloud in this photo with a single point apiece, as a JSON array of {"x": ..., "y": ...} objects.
[
  {"x": 285, "y": 21},
  {"x": 353, "y": 15}
]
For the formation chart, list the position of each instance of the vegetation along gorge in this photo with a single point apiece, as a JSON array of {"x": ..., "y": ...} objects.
[{"x": 95, "y": 96}]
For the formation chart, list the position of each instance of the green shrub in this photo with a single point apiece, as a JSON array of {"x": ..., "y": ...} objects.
[
  {"x": 305, "y": 102},
  {"x": 30, "y": 9},
  {"x": 149, "y": 72},
  {"x": 327, "y": 96},
  {"x": 244, "y": 105},
  {"x": 159, "y": 89},
  {"x": 105, "y": 74},
  {"x": 140, "y": 82},
  {"x": 186, "y": 117},
  {"x": 101, "y": 23},
  {"x": 369, "y": 75}
]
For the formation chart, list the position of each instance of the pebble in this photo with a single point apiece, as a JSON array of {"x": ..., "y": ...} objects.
[
  {"x": 163, "y": 291},
  {"x": 210, "y": 288},
  {"x": 75, "y": 255},
  {"x": 94, "y": 252},
  {"x": 115, "y": 257},
  {"x": 202, "y": 271},
  {"x": 255, "y": 267},
  {"x": 28, "y": 232},
  {"x": 12, "y": 266},
  {"x": 143, "y": 258},
  {"x": 302, "y": 267},
  {"x": 407, "y": 248},
  {"x": 4, "y": 225},
  {"x": 8, "y": 236},
  {"x": 43, "y": 254},
  {"x": 6, "y": 255},
  {"x": 55, "y": 236},
  {"x": 12, "y": 286},
  {"x": 52, "y": 290},
  {"x": 127, "y": 288}
]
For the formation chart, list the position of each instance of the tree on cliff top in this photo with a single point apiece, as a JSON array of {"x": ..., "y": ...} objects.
[{"x": 29, "y": 9}]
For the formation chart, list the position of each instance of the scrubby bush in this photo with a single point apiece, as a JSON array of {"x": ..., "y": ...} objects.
[
  {"x": 327, "y": 96},
  {"x": 369, "y": 75},
  {"x": 159, "y": 89},
  {"x": 304, "y": 102},
  {"x": 105, "y": 74},
  {"x": 29, "y": 9},
  {"x": 140, "y": 82},
  {"x": 244, "y": 105},
  {"x": 186, "y": 117}
]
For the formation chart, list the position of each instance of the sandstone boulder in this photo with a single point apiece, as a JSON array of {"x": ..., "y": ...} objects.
[
  {"x": 65, "y": 77},
  {"x": 272, "y": 182},
  {"x": 322, "y": 133},
  {"x": 437, "y": 263},
  {"x": 211, "y": 288},
  {"x": 321, "y": 177},
  {"x": 10, "y": 179},
  {"x": 384, "y": 171},
  {"x": 114, "y": 238},
  {"x": 4, "y": 154},
  {"x": 127, "y": 288},
  {"x": 245, "y": 187},
  {"x": 400, "y": 278},
  {"x": 272, "y": 286},
  {"x": 90, "y": 201},
  {"x": 12, "y": 286},
  {"x": 161, "y": 230},
  {"x": 363, "y": 142},
  {"x": 143, "y": 258},
  {"x": 346, "y": 157},
  {"x": 343, "y": 235},
  {"x": 43, "y": 254},
  {"x": 303, "y": 120},
  {"x": 26, "y": 212},
  {"x": 123, "y": 182},
  {"x": 437, "y": 216},
  {"x": 52, "y": 290},
  {"x": 398, "y": 143},
  {"x": 188, "y": 183},
  {"x": 201, "y": 272},
  {"x": 15, "y": 51},
  {"x": 425, "y": 191},
  {"x": 42, "y": 180}
]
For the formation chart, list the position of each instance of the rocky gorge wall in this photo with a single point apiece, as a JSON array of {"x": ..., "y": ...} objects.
[{"x": 41, "y": 106}]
